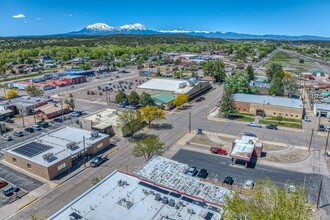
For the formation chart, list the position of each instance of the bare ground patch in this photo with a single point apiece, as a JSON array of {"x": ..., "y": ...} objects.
[
  {"x": 294, "y": 156},
  {"x": 269, "y": 147},
  {"x": 203, "y": 139}
]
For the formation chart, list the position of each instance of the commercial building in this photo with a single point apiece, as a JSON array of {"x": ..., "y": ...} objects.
[
  {"x": 24, "y": 85},
  {"x": 55, "y": 152},
  {"x": 321, "y": 110},
  {"x": 104, "y": 121},
  {"x": 245, "y": 148},
  {"x": 51, "y": 110},
  {"x": 23, "y": 105},
  {"x": 264, "y": 105},
  {"x": 124, "y": 196},
  {"x": 164, "y": 101},
  {"x": 173, "y": 87},
  {"x": 74, "y": 79}
]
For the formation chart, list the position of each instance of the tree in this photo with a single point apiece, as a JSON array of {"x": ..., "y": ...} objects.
[
  {"x": 238, "y": 83},
  {"x": 70, "y": 103},
  {"x": 34, "y": 91},
  {"x": 12, "y": 93},
  {"x": 255, "y": 90},
  {"x": 301, "y": 61},
  {"x": 133, "y": 98},
  {"x": 276, "y": 87},
  {"x": 121, "y": 97},
  {"x": 215, "y": 68},
  {"x": 269, "y": 202},
  {"x": 145, "y": 99},
  {"x": 279, "y": 118},
  {"x": 274, "y": 69},
  {"x": 250, "y": 72},
  {"x": 151, "y": 113},
  {"x": 227, "y": 105},
  {"x": 180, "y": 100},
  {"x": 148, "y": 147},
  {"x": 130, "y": 120}
]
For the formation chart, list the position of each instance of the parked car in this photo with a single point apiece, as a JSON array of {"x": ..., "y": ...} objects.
[
  {"x": 322, "y": 128},
  {"x": 228, "y": 180},
  {"x": 202, "y": 174},
  {"x": 192, "y": 171},
  {"x": 9, "y": 120},
  {"x": 7, "y": 138},
  {"x": 74, "y": 114},
  {"x": 18, "y": 133},
  {"x": 328, "y": 153},
  {"x": 307, "y": 118},
  {"x": 273, "y": 127},
  {"x": 36, "y": 127},
  {"x": 59, "y": 119},
  {"x": 8, "y": 191},
  {"x": 218, "y": 150},
  {"x": 130, "y": 107},
  {"x": 81, "y": 112},
  {"x": 121, "y": 105},
  {"x": 254, "y": 124},
  {"x": 97, "y": 161},
  {"x": 198, "y": 99},
  {"x": 29, "y": 129},
  {"x": 3, "y": 183},
  {"x": 43, "y": 124},
  {"x": 248, "y": 184},
  {"x": 249, "y": 134}
]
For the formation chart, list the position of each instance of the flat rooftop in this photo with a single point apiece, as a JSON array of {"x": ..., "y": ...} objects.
[
  {"x": 103, "y": 118},
  {"x": 56, "y": 143},
  {"x": 170, "y": 85},
  {"x": 171, "y": 174},
  {"x": 23, "y": 101},
  {"x": 269, "y": 100},
  {"x": 121, "y": 196},
  {"x": 244, "y": 147}
]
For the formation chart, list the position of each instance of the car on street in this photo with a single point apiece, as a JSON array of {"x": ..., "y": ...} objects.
[
  {"x": 273, "y": 127},
  {"x": 97, "y": 161},
  {"x": 8, "y": 191},
  {"x": 43, "y": 124},
  {"x": 29, "y": 129},
  {"x": 307, "y": 118},
  {"x": 192, "y": 171},
  {"x": 36, "y": 127},
  {"x": 202, "y": 174},
  {"x": 198, "y": 99},
  {"x": 322, "y": 128},
  {"x": 59, "y": 119},
  {"x": 18, "y": 134},
  {"x": 7, "y": 138},
  {"x": 3, "y": 183},
  {"x": 249, "y": 134},
  {"x": 74, "y": 114},
  {"x": 328, "y": 153},
  {"x": 254, "y": 124},
  {"x": 248, "y": 184},
  {"x": 218, "y": 150},
  {"x": 228, "y": 180}
]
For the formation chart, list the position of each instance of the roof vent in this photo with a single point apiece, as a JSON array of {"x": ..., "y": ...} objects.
[
  {"x": 125, "y": 203},
  {"x": 49, "y": 157},
  {"x": 94, "y": 134},
  {"x": 72, "y": 146}
]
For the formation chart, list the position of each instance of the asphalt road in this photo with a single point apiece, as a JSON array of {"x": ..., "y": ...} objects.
[{"x": 219, "y": 167}]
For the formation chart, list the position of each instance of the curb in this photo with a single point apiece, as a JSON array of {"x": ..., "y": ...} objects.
[{"x": 27, "y": 204}]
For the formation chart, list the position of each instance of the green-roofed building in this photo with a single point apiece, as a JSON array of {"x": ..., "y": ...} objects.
[
  {"x": 317, "y": 72},
  {"x": 164, "y": 101}
]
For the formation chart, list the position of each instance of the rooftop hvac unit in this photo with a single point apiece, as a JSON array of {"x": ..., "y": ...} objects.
[
  {"x": 49, "y": 157},
  {"x": 182, "y": 85},
  {"x": 71, "y": 145},
  {"x": 94, "y": 134}
]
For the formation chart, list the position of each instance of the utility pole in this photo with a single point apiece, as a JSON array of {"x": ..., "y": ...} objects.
[
  {"x": 310, "y": 142},
  {"x": 189, "y": 122},
  {"x": 326, "y": 143},
  {"x": 318, "y": 126},
  {"x": 319, "y": 195},
  {"x": 106, "y": 97},
  {"x": 22, "y": 113},
  {"x": 84, "y": 151},
  {"x": 61, "y": 102}
]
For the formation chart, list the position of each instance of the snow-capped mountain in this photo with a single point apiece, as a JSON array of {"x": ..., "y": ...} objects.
[
  {"x": 136, "y": 26},
  {"x": 99, "y": 27}
]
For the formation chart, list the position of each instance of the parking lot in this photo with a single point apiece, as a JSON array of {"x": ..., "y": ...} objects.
[
  {"x": 13, "y": 177},
  {"x": 219, "y": 167}
]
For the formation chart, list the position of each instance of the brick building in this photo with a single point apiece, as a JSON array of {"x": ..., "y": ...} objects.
[
  {"x": 54, "y": 153},
  {"x": 269, "y": 105}
]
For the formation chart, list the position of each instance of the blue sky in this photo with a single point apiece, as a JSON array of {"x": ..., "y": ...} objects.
[{"x": 290, "y": 17}]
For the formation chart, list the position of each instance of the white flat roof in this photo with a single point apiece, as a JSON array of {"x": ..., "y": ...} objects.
[
  {"x": 171, "y": 174},
  {"x": 57, "y": 141},
  {"x": 244, "y": 147},
  {"x": 103, "y": 118},
  {"x": 121, "y": 196},
  {"x": 171, "y": 85}
]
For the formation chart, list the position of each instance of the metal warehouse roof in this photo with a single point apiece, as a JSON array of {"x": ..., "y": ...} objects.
[
  {"x": 162, "y": 98},
  {"x": 170, "y": 85},
  {"x": 325, "y": 107},
  {"x": 269, "y": 100}
]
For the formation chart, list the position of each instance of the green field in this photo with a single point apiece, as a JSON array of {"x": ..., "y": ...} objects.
[{"x": 282, "y": 124}]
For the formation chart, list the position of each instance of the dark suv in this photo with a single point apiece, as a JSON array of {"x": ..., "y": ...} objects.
[
  {"x": 228, "y": 180},
  {"x": 18, "y": 133}
]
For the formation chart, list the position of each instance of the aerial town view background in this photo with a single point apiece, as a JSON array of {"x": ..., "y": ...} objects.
[{"x": 160, "y": 122}]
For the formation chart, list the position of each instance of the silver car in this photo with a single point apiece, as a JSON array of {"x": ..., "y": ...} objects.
[{"x": 254, "y": 124}]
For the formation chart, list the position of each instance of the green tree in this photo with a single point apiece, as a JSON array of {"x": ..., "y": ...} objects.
[
  {"x": 148, "y": 147},
  {"x": 250, "y": 72},
  {"x": 133, "y": 98},
  {"x": 70, "y": 103},
  {"x": 255, "y": 90},
  {"x": 85, "y": 66},
  {"x": 152, "y": 113},
  {"x": 269, "y": 202},
  {"x": 276, "y": 87},
  {"x": 274, "y": 69},
  {"x": 238, "y": 83},
  {"x": 215, "y": 68},
  {"x": 145, "y": 99},
  {"x": 180, "y": 100},
  {"x": 227, "y": 105},
  {"x": 279, "y": 119},
  {"x": 301, "y": 61},
  {"x": 290, "y": 86},
  {"x": 129, "y": 120},
  {"x": 34, "y": 91},
  {"x": 121, "y": 97}
]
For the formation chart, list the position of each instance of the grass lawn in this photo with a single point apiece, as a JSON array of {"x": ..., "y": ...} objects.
[
  {"x": 282, "y": 124},
  {"x": 284, "y": 119},
  {"x": 246, "y": 114},
  {"x": 287, "y": 60}
]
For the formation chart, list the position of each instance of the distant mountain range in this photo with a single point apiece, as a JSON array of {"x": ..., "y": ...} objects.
[{"x": 104, "y": 29}]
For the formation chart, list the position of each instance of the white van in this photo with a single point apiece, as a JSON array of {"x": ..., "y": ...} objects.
[
  {"x": 307, "y": 118},
  {"x": 8, "y": 191}
]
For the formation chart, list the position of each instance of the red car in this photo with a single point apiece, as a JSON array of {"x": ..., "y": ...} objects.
[
  {"x": 218, "y": 150},
  {"x": 3, "y": 183}
]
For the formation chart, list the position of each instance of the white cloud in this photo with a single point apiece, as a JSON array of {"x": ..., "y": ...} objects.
[
  {"x": 70, "y": 15},
  {"x": 19, "y": 16},
  {"x": 25, "y": 22}
]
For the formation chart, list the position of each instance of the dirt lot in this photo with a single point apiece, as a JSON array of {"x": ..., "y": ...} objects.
[{"x": 293, "y": 156}]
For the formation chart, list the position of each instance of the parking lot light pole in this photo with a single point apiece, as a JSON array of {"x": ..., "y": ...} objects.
[
  {"x": 319, "y": 195},
  {"x": 189, "y": 122},
  {"x": 310, "y": 141},
  {"x": 318, "y": 126}
]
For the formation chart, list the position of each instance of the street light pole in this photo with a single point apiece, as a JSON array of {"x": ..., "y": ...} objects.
[
  {"x": 319, "y": 195},
  {"x": 310, "y": 142},
  {"x": 189, "y": 122}
]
